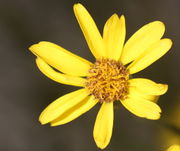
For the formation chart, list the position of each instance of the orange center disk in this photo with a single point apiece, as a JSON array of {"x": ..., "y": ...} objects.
[{"x": 108, "y": 80}]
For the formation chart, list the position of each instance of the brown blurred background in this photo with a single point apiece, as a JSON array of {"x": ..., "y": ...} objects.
[{"x": 25, "y": 92}]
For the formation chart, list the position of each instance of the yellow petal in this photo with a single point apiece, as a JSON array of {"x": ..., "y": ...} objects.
[
  {"x": 147, "y": 86},
  {"x": 174, "y": 147},
  {"x": 61, "y": 59},
  {"x": 151, "y": 55},
  {"x": 142, "y": 108},
  {"x": 90, "y": 31},
  {"x": 104, "y": 125},
  {"x": 138, "y": 93},
  {"x": 59, "y": 77},
  {"x": 153, "y": 98},
  {"x": 114, "y": 36},
  {"x": 75, "y": 111},
  {"x": 61, "y": 105},
  {"x": 141, "y": 40}
]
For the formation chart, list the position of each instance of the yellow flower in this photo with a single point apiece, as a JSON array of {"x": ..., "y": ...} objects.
[
  {"x": 174, "y": 148},
  {"x": 108, "y": 79}
]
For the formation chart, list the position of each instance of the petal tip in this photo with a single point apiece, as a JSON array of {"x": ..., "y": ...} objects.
[
  {"x": 113, "y": 18},
  {"x": 100, "y": 144},
  {"x": 123, "y": 21},
  {"x": 34, "y": 49},
  {"x": 31, "y": 48},
  {"x": 169, "y": 41},
  {"x": 122, "y": 17},
  {"x": 164, "y": 88},
  {"x": 157, "y": 117},
  {"x": 42, "y": 121},
  {"x": 115, "y": 15},
  {"x": 160, "y": 23},
  {"x": 77, "y": 6}
]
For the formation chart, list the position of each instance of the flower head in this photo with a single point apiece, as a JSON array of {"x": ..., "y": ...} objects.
[{"x": 108, "y": 79}]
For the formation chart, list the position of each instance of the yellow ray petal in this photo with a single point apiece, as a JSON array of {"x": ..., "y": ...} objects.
[
  {"x": 61, "y": 59},
  {"x": 75, "y": 111},
  {"x": 104, "y": 125},
  {"x": 147, "y": 86},
  {"x": 141, "y": 40},
  {"x": 151, "y": 55},
  {"x": 59, "y": 77},
  {"x": 142, "y": 108},
  {"x": 114, "y": 36},
  {"x": 90, "y": 31},
  {"x": 153, "y": 98},
  {"x": 138, "y": 93},
  {"x": 61, "y": 105}
]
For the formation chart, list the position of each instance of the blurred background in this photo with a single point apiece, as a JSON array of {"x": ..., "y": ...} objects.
[{"x": 25, "y": 91}]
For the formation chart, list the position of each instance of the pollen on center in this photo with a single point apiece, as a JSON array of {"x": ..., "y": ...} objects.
[{"x": 108, "y": 80}]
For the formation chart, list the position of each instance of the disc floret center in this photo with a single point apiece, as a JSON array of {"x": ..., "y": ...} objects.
[{"x": 108, "y": 80}]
